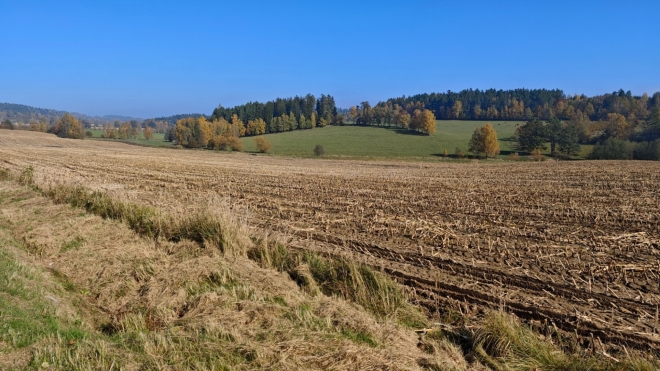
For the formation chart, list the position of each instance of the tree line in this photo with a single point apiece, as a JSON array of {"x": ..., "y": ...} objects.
[
  {"x": 525, "y": 104},
  {"x": 615, "y": 137},
  {"x": 27, "y": 115},
  {"x": 285, "y": 114},
  {"x": 421, "y": 120}
]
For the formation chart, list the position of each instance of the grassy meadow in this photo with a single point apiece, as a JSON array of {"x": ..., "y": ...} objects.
[
  {"x": 371, "y": 142},
  {"x": 158, "y": 139}
]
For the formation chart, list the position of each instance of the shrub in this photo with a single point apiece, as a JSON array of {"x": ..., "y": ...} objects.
[
  {"x": 319, "y": 150},
  {"x": 613, "y": 149},
  {"x": 218, "y": 142},
  {"x": 89, "y": 134},
  {"x": 537, "y": 155},
  {"x": 263, "y": 145},
  {"x": 647, "y": 150},
  {"x": 445, "y": 153},
  {"x": 148, "y": 133},
  {"x": 459, "y": 153},
  {"x": 235, "y": 144},
  {"x": 7, "y": 124},
  {"x": 41, "y": 127},
  {"x": 513, "y": 157}
]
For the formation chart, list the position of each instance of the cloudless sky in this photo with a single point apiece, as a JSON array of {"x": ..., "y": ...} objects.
[{"x": 158, "y": 58}]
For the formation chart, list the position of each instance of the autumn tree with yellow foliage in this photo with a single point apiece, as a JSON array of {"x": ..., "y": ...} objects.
[
  {"x": 148, "y": 133},
  {"x": 484, "y": 140},
  {"x": 256, "y": 127},
  {"x": 69, "y": 127},
  {"x": 616, "y": 126},
  {"x": 193, "y": 132},
  {"x": 424, "y": 121}
]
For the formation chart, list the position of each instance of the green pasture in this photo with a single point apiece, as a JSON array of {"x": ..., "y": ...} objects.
[
  {"x": 370, "y": 141},
  {"x": 158, "y": 139}
]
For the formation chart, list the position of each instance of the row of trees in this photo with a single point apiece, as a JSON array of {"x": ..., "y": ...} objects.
[
  {"x": 197, "y": 132},
  {"x": 127, "y": 131},
  {"x": 284, "y": 114},
  {"x": 525, "y": 104},
  {"x": 421, "y": 120},
  {"x": 616, "y": 137},
  {"x": 34, "y": 126}
]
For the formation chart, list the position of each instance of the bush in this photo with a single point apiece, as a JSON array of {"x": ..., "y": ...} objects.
[
  {"x": 89, "y": 134},
  {"x": 235, "y": 144},
  {"x": 224, "y": 143},
  {"x": 537, "y": 155},
  {"x": 263, "y": 145},
  {"x": 218, "y": 142},
  {"x": 613, "y": 149},
  {"x": 319, "y": 150},
  {"x": 459, "y": 153},
  {"x": 7, "y": 124},
  {"x": 513, "y": 157},
  {"x": 647, "y": 150},
  {"x": 41, "y": 127}
]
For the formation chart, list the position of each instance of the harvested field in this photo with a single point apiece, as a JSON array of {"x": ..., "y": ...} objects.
[{"x": 568, "y": 244}]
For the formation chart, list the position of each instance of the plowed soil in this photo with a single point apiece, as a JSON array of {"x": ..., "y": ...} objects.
[{"x": 568, "y": 244}]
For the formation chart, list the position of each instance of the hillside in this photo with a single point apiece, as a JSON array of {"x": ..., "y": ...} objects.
[
  {"x": 363, "y": 141},
  {"x": 26, "y": 114}
]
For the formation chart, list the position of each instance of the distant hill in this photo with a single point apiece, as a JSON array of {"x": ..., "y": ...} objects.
[
  {"x": 120, "y": 118},
  {"x": 26, "y": 114},
  {"x": 174, "y": 118}
]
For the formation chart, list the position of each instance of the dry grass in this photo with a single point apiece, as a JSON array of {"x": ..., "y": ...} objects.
[
  {"x": 340, "y": 277},
  {"x": 161, "y": 304},
  {"x": 503, "y": 343}
]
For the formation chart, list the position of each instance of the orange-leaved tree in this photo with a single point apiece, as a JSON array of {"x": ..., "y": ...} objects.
[
  {"x": 69, "y": 127},
  {"x": 148, "y": 133},
  {"x": 263, "y": 144},
  {"x": 484, "y": 140},
  {"x": 193, "y": 132}
]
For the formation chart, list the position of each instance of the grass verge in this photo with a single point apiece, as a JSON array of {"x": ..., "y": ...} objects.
[{"x": 338, "y": 276}]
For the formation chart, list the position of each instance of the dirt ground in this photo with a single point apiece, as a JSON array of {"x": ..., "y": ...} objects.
[{"x": 568, "y": 244}]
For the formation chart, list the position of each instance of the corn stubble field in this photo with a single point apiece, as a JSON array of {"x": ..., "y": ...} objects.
[{"x": 568, "y": 245}]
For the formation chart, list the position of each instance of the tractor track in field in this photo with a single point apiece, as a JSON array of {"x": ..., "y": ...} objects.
[{"x": 436, "y": 279}]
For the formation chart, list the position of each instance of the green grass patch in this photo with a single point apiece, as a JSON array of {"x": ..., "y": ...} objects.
[
  {"x": 388, "y": 142},
  {"x": 158, "y": 140},
  {"x": 27, "y": 315},
  {"x": 73, "y": 244},
  {"x": 359, "y": 337},
  {"x": 369, "y": 141}
]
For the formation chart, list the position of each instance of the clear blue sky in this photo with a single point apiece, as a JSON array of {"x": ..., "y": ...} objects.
[{"x": 153, "y": 58}]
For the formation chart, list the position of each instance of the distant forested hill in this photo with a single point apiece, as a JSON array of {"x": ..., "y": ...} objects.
[
  {"x": 174, "y": 118},
  {"x": 27, "y": 114},
  {"x": 524, "y": 104},
  {"x": 23, "y": 113}
]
